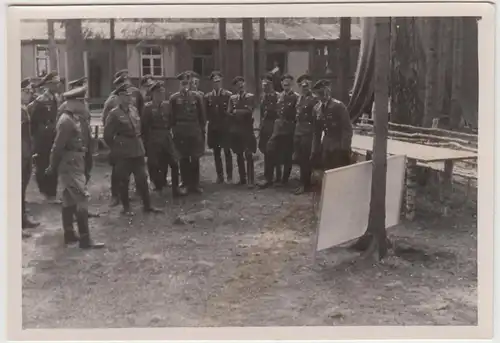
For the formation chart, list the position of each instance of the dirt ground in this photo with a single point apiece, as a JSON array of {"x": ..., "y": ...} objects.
[{"x": 239, "y": 257}]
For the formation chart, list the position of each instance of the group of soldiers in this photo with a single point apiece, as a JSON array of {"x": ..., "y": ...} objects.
[{"x": 147, "y": 134}]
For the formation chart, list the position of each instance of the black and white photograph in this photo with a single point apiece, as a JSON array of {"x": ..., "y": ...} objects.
[{"x": 249, "y": 171}]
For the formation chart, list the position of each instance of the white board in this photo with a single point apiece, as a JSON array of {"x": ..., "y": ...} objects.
[{"x": 345, "y": 201}]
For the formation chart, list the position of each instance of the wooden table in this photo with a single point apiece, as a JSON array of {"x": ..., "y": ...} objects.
[{"x": 417, "y": 153}]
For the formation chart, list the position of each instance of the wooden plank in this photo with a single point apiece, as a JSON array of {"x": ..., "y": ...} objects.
[{"x": 417, "y": 152}]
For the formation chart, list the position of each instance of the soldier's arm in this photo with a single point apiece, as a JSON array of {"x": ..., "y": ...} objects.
[
  {"x": 108, "y": 106},
  {"x": 63, "y": 135},
  {"x": 346, "y": 137},
  {"x": 140, "y": 103},
  {"x": 145, "y": 124},
  {"x": 317, "y": 132},
  {"x": 230, "y": 106},
  {"x": 206, "y": 99},
  {"x": 89, "y": 161},
  {"x": 171, "y": 111},
  {"x": 109, "y": 130},
  {"x": 202, "y": 115}
]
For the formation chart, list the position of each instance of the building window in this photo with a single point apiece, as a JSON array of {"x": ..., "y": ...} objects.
[
  {"x": 42, "y": 60},
  {"x": 152, "y": 61},
  {"x": 203, "y": 61}
]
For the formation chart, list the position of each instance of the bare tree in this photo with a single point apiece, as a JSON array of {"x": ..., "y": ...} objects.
[
  {"x": 75, "y": 46},
  {"x": 112, "y": 49},
  {"x": 53, "y": 62},
  {"x": 431, "y": 101},
  {"x": 262, "y": 46},
  {"x": 345, "y": 59},
  {"x": 223, "y": 49},
  {"x": 457, "y": 75}
]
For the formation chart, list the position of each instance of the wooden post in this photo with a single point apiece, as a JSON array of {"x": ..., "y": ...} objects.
[
  {"x": 111, "y": 51},
  {"x": 223, "y": 50},
  {"x": 345, "y": 59},
  {"x": 248, "y": 55},
  {"x": 262, "y": 47}
]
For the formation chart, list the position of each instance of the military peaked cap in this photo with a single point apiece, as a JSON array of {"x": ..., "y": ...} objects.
[
  {"x": 120, "y": 79},
  {"x": 287, "y": 77},
  {"x": 267, "y": 77},
  {"x": 121, "y": 89},
  {"x": 303, "y": 78},
  {"x": 52, "y": 77},
  {"x": 77, "y": 83},
  {"x": 216, "y": 76},
  {"x": 321, "y": 84},
  {"x": 76, "y": 93},
  {"x": 147, "y": 80},
  {"x": 156, "y": 86},
  {"x": 120, "y": 73},
  {"x": 238, "y": 79},
  {"x": 26, "y": 83},
  {"x": 185, "y": 75}
]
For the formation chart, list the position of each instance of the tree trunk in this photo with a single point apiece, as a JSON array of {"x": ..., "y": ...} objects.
[
  {"x": 262, "y": 47},
  {"x": 345, "y": 59},
  {"x": 457, "y": 75},
  {"x": 248, "y": 55},
  {"x": 431, "y": 75},
  {"x": 75, "y": 45},
  {"x": 444, "y": 68},
  {"x": 112, "y": 68},
  {"x": 52, "y": 46},
  {"x": 404, "y": 81},
  {"x": 375, "y": 239},
  {"x": 223, "y": 50}
]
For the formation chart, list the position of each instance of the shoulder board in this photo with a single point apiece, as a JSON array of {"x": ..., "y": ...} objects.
[
  {"x": 226, "y": 92},
  {"x": 248, "y": 95}
]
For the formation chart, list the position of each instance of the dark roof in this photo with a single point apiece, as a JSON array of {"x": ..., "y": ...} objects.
[{"x": 189, "y": 30}]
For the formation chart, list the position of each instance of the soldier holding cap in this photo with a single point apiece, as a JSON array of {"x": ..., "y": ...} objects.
[
  {"x": 216, "y": 103},
  {"x": 280, "y": 145},
  {"x": 332, "y": 120},
  {"x": 268, "y": 114},
  {"x": 71, "y": 157},
  {"x": 158, "y": 141},
  {"x": 122, "y": 133},
  {"x": 188, "y": 127},
  {"x": 302, "y": 142},
  {"x": 43, "y": 124},
  {"x": 27, "y": 150},
  {"x": 241, "y": 136}
]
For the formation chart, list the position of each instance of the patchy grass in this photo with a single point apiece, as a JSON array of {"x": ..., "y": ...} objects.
[{"x": 246, "y": 261}]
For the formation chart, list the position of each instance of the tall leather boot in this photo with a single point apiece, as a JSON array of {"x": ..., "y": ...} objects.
[
  {"x": 115, "y": 188},
  {"x": 185, "y": 172},
  {"x": 218, "y": 165},
  {"x": 176, "y": 190},
  {"x": 70, "y": 235},
  {"x": 228, "y": 157},
  {"x": 82, "y": 218},
  {"x": 250, "y": 170},
  {"x": 240, "y": 160},
  {"x": 195, "y": 176},
  {"x": 268, "y": 172}
]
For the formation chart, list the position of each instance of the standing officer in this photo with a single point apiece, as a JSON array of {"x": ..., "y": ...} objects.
[
  {"x": 302, "y": 141},
  {"x": 332, "y": 120},
  {"x": 216, "y": 103},
  {"x": 122, "y": 133},
  {"x": 71, "y": 156},
  {"x": 137, "y": 99},
  {"x": 157, "y": 137},
  {"x": 280, "y": 145},
  {"x": 241, "y": 136},
  {"x": 81, "y": 82},
  {"x": 195, "y": 83},
  {"x": 146, "y": 82},
  {"x": 43, "y": 124},
  {"x": 27, "y": 150},
  {"x": 188, "y": 127},
  {"x": 268, "y": 114}
]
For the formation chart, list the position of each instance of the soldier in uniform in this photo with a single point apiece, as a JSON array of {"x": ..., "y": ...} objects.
[
  {"x": 122, "y": 133},
  {"x": 241, "y": 136},
  {"x": 27, "y": 150},
  {"x": 280, "y": 145},
  {"x": 188, "y": 127},
  {"x": 158, "y": 141},
  {"x": 303, "y": 132},
  {"x": 216, "y": 103},
  {"x": 81, "y": 82},
  {"x": 136, "y": 95},
  {"x": 146, "y": 82},
  {"x": 71, "y": 156},
  {"x": 43, "y": 123},
  {"x": 268, "y": 114},
  {"x": 195, "y": 83},
  {"x": 332, "y": 120}
]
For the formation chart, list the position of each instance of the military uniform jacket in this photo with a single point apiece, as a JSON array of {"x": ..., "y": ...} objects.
[
  {"x": 43, "y": 120},
  {"x": 332, "y": 119},
  {"x": 305, "y": 115},
  {"x": 285, "y": 124},
  {"x": 27, "y": 146},
  {"x": 155, "y": 129},
  {"x": 72, "y": 140},
  {"x": 240, "y": 113},
  {"x": 138, "y": 100},
  {"x": 111, "y": 102},
  {"x": 122, "y": 133},
  {"x": 268, "y": 108},
  {"x": 75, "y": 105},
  {"x": 216, "y": 105},
  {"x": 187, "y": 114}
]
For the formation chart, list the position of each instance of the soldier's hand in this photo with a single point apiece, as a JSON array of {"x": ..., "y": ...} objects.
[
  {"x": 49, "y": 171},
  {"x": 87, "y": 177}
]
